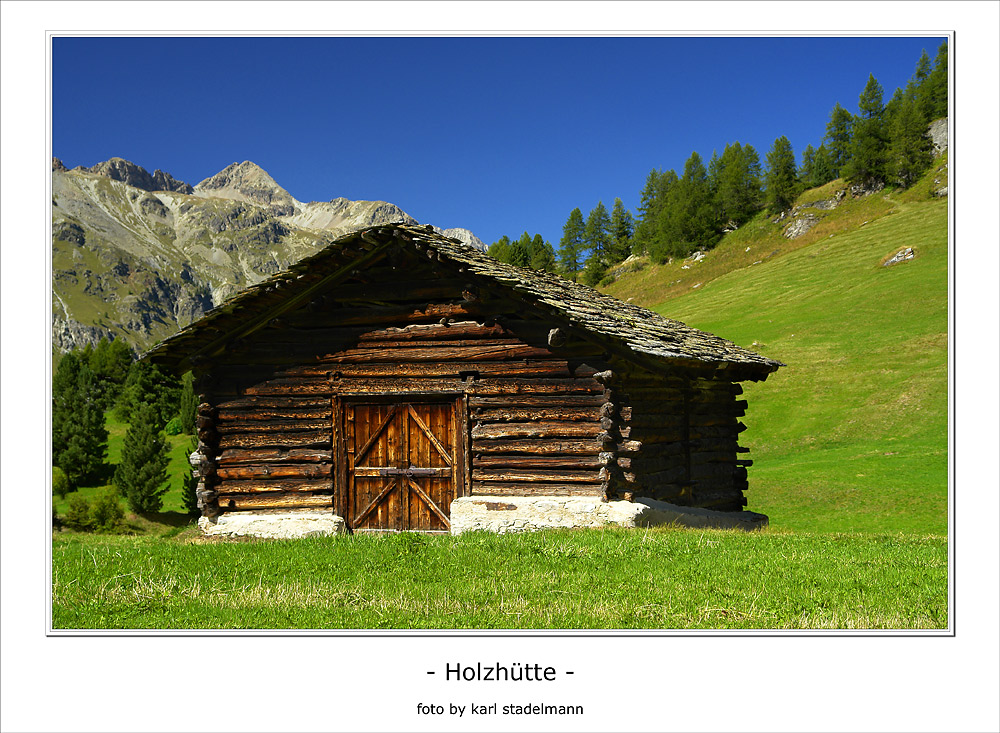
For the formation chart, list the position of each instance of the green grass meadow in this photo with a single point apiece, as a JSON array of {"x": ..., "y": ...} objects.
[
  {"x": 849, "y": 442},
  {"x": 560, "y": 579}
]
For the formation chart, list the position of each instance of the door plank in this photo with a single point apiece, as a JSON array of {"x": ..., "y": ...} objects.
[
  {"x": 375, "y": 502},
  {"x": 434, "y": 441},
  {"x": 359, "y": 455},
  {"x": 430, "y": 504}
]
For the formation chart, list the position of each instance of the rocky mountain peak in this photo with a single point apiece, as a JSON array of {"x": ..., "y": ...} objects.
[
  {"x": 247, "y": 181},
  {"x": 57, "y": 165},
  {"x": 119, "y": 169}
]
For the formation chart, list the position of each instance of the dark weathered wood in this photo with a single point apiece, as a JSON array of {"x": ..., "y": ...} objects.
[
  {"x": 530, "y": 401},
  {"x": 540, "y": 476},
  {"x": 519, "y": 368},
  {"x": 275, "y": 471},
  {"x": 400, "y": 351},
  {"x": 230, "y": 502},
  {"x": 261, "y": 425},
  {"x": 499, "y": 488},
  {"x": 270, "y": 485},
  {"x": 302, "y": 439},
  {"x": 229, "y": 417},
  {"x": 234, "y": 456},
  {"x": 541, "y": 447},
  {"x": 568, "y": 429},
  {"x": 520, "y": 414},
  {"x": 537, "y": 461}
]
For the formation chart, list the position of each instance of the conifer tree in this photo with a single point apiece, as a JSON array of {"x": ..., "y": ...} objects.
[
  {"x": 542, "y": 256},
  {"x": 909, "y": 148},
  {"x": 571, "y": 244},
  {"x": 597, "y": 231},
  {"x": 520, "y": 251},
  {"x": 780, "y": 181},
  {"x": 838, "y": 139},
  {"x": 622, "y": 226},
  {"x": 148, "y": 384},
  {"x": 189, "y": 404},
  {"x": 79, "y": 438},
  {"x": 807, "y": 169},
  {"x": 822, "y": 167},
  {"x": 110, "y": 362},
  {"x": 918, "y": 85},
  {"x": 651, "y": 201},
  {"x": 500, "y": 249},
  {"x": 869, "y": 143},
  {"x": 141, "y": 474},
  {"x": 737, "y": 191},
  {"x": 936, "y": 85}
]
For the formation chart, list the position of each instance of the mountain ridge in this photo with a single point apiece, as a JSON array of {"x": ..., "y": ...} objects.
[{"x": 138, "y": 255}]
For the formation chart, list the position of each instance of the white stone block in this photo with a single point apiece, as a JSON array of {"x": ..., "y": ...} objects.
[
  {"x": 520, "y": 514},
  {"x": 286, "y": 525}
]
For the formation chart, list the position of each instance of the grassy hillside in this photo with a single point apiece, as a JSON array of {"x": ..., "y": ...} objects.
[{"x": 852, "y": 434}]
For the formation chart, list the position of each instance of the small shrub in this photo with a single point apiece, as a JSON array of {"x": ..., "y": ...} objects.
[
  {"x": 60, "y": 482},
  {"x": 174, "y": 427},
  {"x": 107, "y": 514},
  {"x": 78, "y": 514}
]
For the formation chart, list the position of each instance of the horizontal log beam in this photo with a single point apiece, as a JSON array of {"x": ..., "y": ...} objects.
[
  {"x": 489, "y": 431},
  {"x": 274, "y": 471},
  {"x": 535, "y": 476},
  {"x": 229, "y": 502},
  {"x": 272, "y": 485},
  {"x": 234, "y": 456},
  {"x": 302, "y": 439},
  {"x": 520, "y": 414},
  {"x": 541, "y": 447},
  {"x": 537, "y": 462},
  {"x": 497, "y": 488}
]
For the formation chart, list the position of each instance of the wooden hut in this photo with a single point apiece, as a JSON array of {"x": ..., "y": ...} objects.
[{"x": 397, "y": 371}]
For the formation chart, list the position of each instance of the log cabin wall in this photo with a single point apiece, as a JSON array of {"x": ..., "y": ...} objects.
[
  {"x": 274, "y": 404},
  {"x": 678, "y": 439}
]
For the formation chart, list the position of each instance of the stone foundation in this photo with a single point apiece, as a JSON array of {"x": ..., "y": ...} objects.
[
  {"x": 286, "y": 525},
  {"x": 527, "y": 514}
]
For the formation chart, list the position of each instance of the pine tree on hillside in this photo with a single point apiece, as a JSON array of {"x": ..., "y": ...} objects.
[
  {"x": 542, "y": 256},
  {"x": 935, "y": 88},
  {"x": 622, "y": 226},
  {"x": 520, "y": 251},
  {"x": 110, "y": 362},
  {"x": 141, "y": 475},
  {"x": 652, "y": 199},
  {"x": 781, "y": 179},
  {"x": 597, "y": 231},
  {"x": 807, "y": 169},
  {"x": 869, "y": 142},
  {"x": 918, "y": 84},
  {"x": 909, "y": 148},
  {"x": 838, "y": 139},
  {"x": 188, "y": 410},
  {"x": 500, "y": 249},
  {"x": 79, "y": 438},
  {"x": 737, "y": 189},
  {"x": 571, "y": 244},
  {"x": 822, "y": 168},
  {"x": 148, "y": 384}
]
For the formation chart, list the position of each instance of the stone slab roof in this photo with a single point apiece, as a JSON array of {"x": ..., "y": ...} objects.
[{"x": 639, "y": 330}]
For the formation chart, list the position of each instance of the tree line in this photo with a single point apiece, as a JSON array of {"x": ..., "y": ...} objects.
[
  {"x": 95, "y": 380},
  {"x": 886, "y": 143}
]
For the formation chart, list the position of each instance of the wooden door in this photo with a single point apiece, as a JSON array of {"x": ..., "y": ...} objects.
[{"x": 404, "y": 465}]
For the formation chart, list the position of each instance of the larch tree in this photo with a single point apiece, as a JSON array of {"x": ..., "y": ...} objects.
[
  {"x": 869, "y": 142},
  {"x": 781, "y": 179},
  {"x": 571, "y": 244},
  {"x": 622, "y": 227},
  {"x": 838, "y": 139}
]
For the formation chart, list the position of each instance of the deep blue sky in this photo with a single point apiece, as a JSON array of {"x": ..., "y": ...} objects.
[{"x": 498, "y": 135}]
